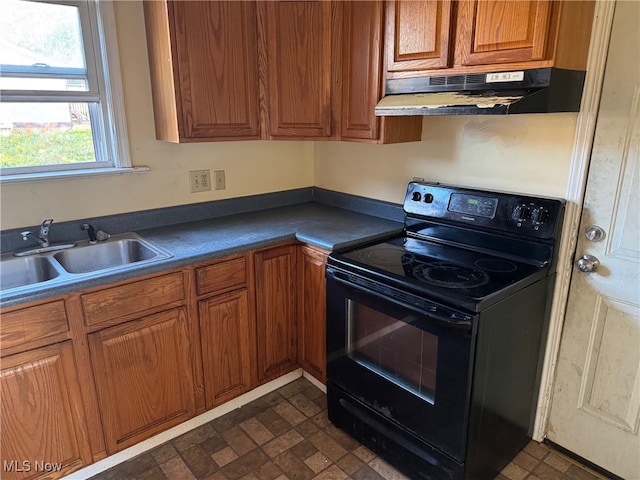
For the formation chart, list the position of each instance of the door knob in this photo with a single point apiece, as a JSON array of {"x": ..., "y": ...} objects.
[
  {"x": 588, "y": 263},
  {"x": 594, "y": 233}
]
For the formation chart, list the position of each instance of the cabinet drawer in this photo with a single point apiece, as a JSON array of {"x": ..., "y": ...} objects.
[
  {"x": 111, "y": 303},
  {"x": 33, "y": 323},
  {"x": 221, "y": 276}
]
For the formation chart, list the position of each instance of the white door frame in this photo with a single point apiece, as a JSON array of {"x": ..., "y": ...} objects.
[{"x": 583, "y": 141}]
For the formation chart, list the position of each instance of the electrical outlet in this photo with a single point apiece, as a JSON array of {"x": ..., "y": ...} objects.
[
  {"x": 219, "y": 179},
  {"x": 200, "y": 180}
]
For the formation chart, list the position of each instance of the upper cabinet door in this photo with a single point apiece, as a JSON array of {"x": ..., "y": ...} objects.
[
  {"x": 499, "y": 31},
  {"x": 418, "y": 35},
  {"x": 217, "y": 61},
  {"x": 298, "y": 43},
  {"x": 361, "y": 68}
]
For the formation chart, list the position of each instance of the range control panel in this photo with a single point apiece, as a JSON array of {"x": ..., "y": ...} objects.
[{"x": 537, "y": 217}]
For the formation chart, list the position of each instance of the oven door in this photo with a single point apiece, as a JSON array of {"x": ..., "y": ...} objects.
[{"x": 404, "y": 357}]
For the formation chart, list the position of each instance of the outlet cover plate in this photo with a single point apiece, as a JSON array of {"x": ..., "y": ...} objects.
[{"x": 200, "y": 180}]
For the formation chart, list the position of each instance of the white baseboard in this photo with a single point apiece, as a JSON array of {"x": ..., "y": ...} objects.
[
  {"x": 153, "y": 442},
  {"x": 315, "y": 381}
]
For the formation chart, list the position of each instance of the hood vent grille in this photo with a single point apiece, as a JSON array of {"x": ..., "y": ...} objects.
[{"x": 460, "y": 81}]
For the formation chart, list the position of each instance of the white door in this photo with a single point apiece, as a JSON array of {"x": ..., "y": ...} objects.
[{"x": 595, "y": 410}]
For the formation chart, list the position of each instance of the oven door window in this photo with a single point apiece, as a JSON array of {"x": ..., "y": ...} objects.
[{"x": 393, "y": 349}]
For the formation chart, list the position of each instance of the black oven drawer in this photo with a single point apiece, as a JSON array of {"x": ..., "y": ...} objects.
[{"x": 409, "y": 454}]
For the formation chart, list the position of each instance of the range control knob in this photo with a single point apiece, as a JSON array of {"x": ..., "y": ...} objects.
[
  {"x": 540, "y": 215},
  {"x": 416, "y": 196},
  {"x": 521, "y": 213},
  {"x": 428, "y": 198}
]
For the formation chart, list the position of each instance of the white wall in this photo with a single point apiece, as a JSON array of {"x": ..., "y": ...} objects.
[
  {"x": 520, "y": 153},
  {"x": 251, "y": 167}
]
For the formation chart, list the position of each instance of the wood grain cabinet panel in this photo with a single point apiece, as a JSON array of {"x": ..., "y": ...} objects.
[
  {"x": 41, "y": 414},
  {"x": 312, "y": 311},
  {"x": 419, "y": 35},
  {"x": 221, "y": 276},
  {"x": 500, "y": 31},
  {"x": 299, "y": 65},
  {"x": 275, "y": 273},
  {"x": 361, "y": 69},
  {"x": 143, "y": 377},
  {"x": 226, "y": 339},
  {"x": 208, "y": 52},
  {"x": 31, "y": 324},
  {"x": 111, "y": 303}
]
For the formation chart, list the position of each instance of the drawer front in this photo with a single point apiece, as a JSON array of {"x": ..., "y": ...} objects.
[
  {"x": 221, "y": 276},
  {"x": 115, "y": 302},
  {"x": 33, "y": 323}
]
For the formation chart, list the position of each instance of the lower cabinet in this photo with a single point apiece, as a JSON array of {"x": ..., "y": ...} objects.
[
  {"x": 143, "y": 377},
  {"x": 312, "y": 311},
  {"x": 275, "y": 276},
  {"x": 42, "y": 417},
  {"x": 147, "y": 345},
  {"x": 226, "y": 340}
]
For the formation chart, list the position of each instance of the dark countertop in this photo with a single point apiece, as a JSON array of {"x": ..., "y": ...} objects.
[{"x": 316, "y": 224}]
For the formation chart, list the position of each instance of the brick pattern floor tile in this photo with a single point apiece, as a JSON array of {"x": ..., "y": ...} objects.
[{"x": 286, "y": 435}]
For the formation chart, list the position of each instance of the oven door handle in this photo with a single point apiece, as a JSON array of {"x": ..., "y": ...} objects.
[{"x": 444, "y": 315}]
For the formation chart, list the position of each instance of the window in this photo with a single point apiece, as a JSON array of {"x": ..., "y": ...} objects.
[{"x": 60, "y": 97}]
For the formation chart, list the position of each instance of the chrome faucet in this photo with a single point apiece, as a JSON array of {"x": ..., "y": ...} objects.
[{"x": 43, "y": 237}]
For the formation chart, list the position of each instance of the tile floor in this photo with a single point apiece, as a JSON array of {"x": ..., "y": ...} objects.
[{"x": 286, "y": 435}]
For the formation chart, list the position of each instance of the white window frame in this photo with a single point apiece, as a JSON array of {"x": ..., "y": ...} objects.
[{"x": 108, "y": 122}]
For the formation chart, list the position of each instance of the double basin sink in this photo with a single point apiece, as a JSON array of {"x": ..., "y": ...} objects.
[{"x": 120, "y": 252}]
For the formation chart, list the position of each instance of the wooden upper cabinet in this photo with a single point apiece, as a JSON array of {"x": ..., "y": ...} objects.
[
  {"x": 41, "y": 413},
  {"x": 204, "y": 69},
  {"x": 362, "y": 79},
  {"x": 143, "y": 377},
  {"x": 502, "y": 31},
  {"x": 361, "y": 69},
  {"x": 286, "y": 69},
  {"x": 419, "y": 35},
  {"x": 299, "y": 64},
  {"x": 441, "y": 37}
]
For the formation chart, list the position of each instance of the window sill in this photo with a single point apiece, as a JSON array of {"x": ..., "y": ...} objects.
[{"x": 89, "y": 172}]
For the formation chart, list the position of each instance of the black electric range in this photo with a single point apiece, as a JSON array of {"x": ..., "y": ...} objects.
[{"x": 435, "y": 337}]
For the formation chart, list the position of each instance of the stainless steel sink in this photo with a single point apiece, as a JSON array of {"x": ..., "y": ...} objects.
[
  {"x": 116, "y": 252},
  {"x": 120, "y": 252},
  {"x": 20, "y": 271}
]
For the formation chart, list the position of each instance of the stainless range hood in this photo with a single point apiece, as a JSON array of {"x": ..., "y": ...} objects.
[{"x": 542, "y": 90}]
